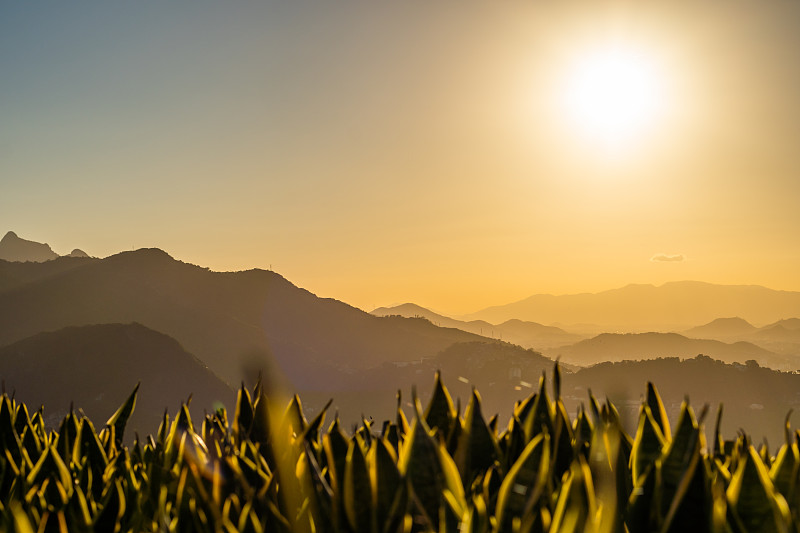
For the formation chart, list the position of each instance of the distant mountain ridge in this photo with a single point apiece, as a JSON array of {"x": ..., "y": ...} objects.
[
  {"x": 612, "y": 347},
  {"x": 792, "y": 324},
  {"x": 728, "y": 339},
  {"x": 522, "y": 333},
  {"x": 782, "y": 337},
  {"x": 671, "y": 306},
  {"x": 722, "y": 328}
]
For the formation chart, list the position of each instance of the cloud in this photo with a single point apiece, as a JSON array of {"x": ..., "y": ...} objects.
[{"x": 667, "y": 258}]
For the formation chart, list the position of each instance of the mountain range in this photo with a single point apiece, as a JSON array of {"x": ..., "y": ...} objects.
[
  {"x": 635, "y": 346},
  {"x": 525, "y": 334},
  {"x": 185, "y": 328},
  {"x": 236, "y": 322},
  {"x": 239, "y": 324},
  {"x": 733, "y": 340},
  {"x": 672, "y": 306}
]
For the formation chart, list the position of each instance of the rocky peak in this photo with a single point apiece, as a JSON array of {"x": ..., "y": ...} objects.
[{"x": 14, "y": 248}]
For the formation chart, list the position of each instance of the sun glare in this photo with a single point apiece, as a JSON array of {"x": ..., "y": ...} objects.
[{"x": 613, "y": 95}]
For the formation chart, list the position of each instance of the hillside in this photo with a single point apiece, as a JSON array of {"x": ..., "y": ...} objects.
[
  {"x": 674, "y": 306},
  {"x": 754, "y": 398},
  {"x": 503, "y": 372},
  {"x": 97, "y": 367},
  {"x": 525, "y": 334},
  {"x": 635, "y": 346},
  {"x": 15, "y": 274},
  {"x": 235, "y": 322}
]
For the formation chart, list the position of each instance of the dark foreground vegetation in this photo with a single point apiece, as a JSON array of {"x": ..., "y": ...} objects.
[{"x": 270, "y": 469}]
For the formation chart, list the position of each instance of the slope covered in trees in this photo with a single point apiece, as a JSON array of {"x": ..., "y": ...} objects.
[{"x": 93, "y": 368}]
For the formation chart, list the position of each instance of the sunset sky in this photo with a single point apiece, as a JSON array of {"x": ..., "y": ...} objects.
[{"x": 453, "y": 154}]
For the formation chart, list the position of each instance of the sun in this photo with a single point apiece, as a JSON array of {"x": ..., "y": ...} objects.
[{"x": 613, "y": 95}]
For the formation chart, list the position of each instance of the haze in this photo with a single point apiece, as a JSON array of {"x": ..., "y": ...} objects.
[{"x": 381, "y": 153}]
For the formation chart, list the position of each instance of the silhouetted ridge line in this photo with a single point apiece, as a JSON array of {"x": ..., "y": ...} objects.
[
  {"x": 235, "y": 322},
  {"x": 675, "y": 305}
]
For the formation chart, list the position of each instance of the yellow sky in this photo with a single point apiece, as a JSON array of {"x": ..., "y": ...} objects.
[{"x": 407, "y": 152}]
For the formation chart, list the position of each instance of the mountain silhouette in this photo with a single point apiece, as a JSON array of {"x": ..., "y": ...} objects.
[
  {"x": 235, "y": 322},
  {"x": 14, "y": 248},
  {"x": 722, "y": 328},
  {"x": 673, "y": 306},
  {"x": 792, "y": 324},
  {"x": 97, "y": 367},
  {"x": 522, "y": 333},
  {"x": 635, "y": 346},
  {"x": 777, "y": 333},
  {"x": 781, "y": 337}
]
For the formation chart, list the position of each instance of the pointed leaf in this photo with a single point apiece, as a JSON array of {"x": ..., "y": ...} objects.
[
  {"x": 440, "y": 411},
  {"x": 120, "y": 418},
  {"x": 658, "y": 410},
  {"x": 648, "y": 445},
  {"x": 358, "y": 503}
]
